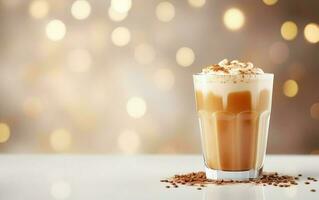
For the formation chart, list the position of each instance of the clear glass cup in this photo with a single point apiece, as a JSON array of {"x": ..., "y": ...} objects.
[{"x": 234, "y": 113}]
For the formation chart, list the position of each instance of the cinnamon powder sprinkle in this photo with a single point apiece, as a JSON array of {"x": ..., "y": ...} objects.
[
  {"x": 216, "y": 68},
  {"x": 199, "y": 180}
]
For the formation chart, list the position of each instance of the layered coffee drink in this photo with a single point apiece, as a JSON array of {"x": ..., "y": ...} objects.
[{"x": 233, "y": 102}]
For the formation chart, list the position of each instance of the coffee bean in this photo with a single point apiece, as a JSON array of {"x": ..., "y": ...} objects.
[
  {"x": 199, "y": 179},
  {"x": 313, "y": 190}
]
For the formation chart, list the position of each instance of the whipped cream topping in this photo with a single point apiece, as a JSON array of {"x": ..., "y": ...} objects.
[{"x": 234, "y": 67}]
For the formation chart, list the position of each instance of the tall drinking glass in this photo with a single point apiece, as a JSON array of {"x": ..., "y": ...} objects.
[{"x": 234, "y": 113}]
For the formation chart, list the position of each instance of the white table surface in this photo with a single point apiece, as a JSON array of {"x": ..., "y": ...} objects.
[{"x": 137, "y": 177}]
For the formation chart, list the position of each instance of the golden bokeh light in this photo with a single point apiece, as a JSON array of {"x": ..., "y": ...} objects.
[
  {"x": 121, "y": 6},
  {"x": 60, "y": 140},
  {"x": 120, "y": 36},
  {"x": 55, "y": 30},
  {"x": 80, "y": 9},
  {"x": 136, "y": 107},
  {"x": 79, "y": 60},
  {"x": 115, "y": 15},
  {"x": 185, "y": 56},
  {"x": 60, "y": 190},
  {"x": 234, "y": 19},
  {"x": 289, "y": 30},
  {"x": 4, "y": 132},
  {"x": 164, "y": 79},
  {"x": 144, "y": 53},
  {"x": 197, "y": 3},
  {"x": 39, "y": 9},
  {"x": 290, "y": 88},
  {"x": 311, "y": 33},
  {"x": 278, "y": 52},
  {"x": 314, "y": 111},
  {"x": 165, "y": 11},
  {"x": 270, "y": 2},
  {"x": 128, "y": 142},
  {"x": 32, "y": 107}
]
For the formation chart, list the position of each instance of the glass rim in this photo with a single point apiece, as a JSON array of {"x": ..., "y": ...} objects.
[{"x": 248, "y": 76}]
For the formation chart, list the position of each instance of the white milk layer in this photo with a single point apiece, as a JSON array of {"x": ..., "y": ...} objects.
[
  {"x": 222, "y": 86},
  {"x": 234, "y": 67}
]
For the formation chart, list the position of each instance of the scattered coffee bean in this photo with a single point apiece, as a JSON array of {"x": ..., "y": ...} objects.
[
  {"x": 167, "y": 186},
  {"x": 313, "y": 190},
  {"x": 294, "y": 183},
  {"x": 199, "y": 179}
]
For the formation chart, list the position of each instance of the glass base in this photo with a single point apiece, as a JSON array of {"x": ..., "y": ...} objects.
[{"x": 233, "y": 175}]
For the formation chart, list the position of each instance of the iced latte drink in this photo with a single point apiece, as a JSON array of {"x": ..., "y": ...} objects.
[{"x": 233, "y": 102}]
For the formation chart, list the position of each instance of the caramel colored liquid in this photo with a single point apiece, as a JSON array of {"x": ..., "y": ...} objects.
[{"x": 234, "y": 135}]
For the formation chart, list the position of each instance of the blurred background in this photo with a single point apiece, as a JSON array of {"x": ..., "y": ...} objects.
[{"x": 115, "y": 76}]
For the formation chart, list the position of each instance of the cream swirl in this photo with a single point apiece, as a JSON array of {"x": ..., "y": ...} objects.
[{"x": 234, "y": 67}]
